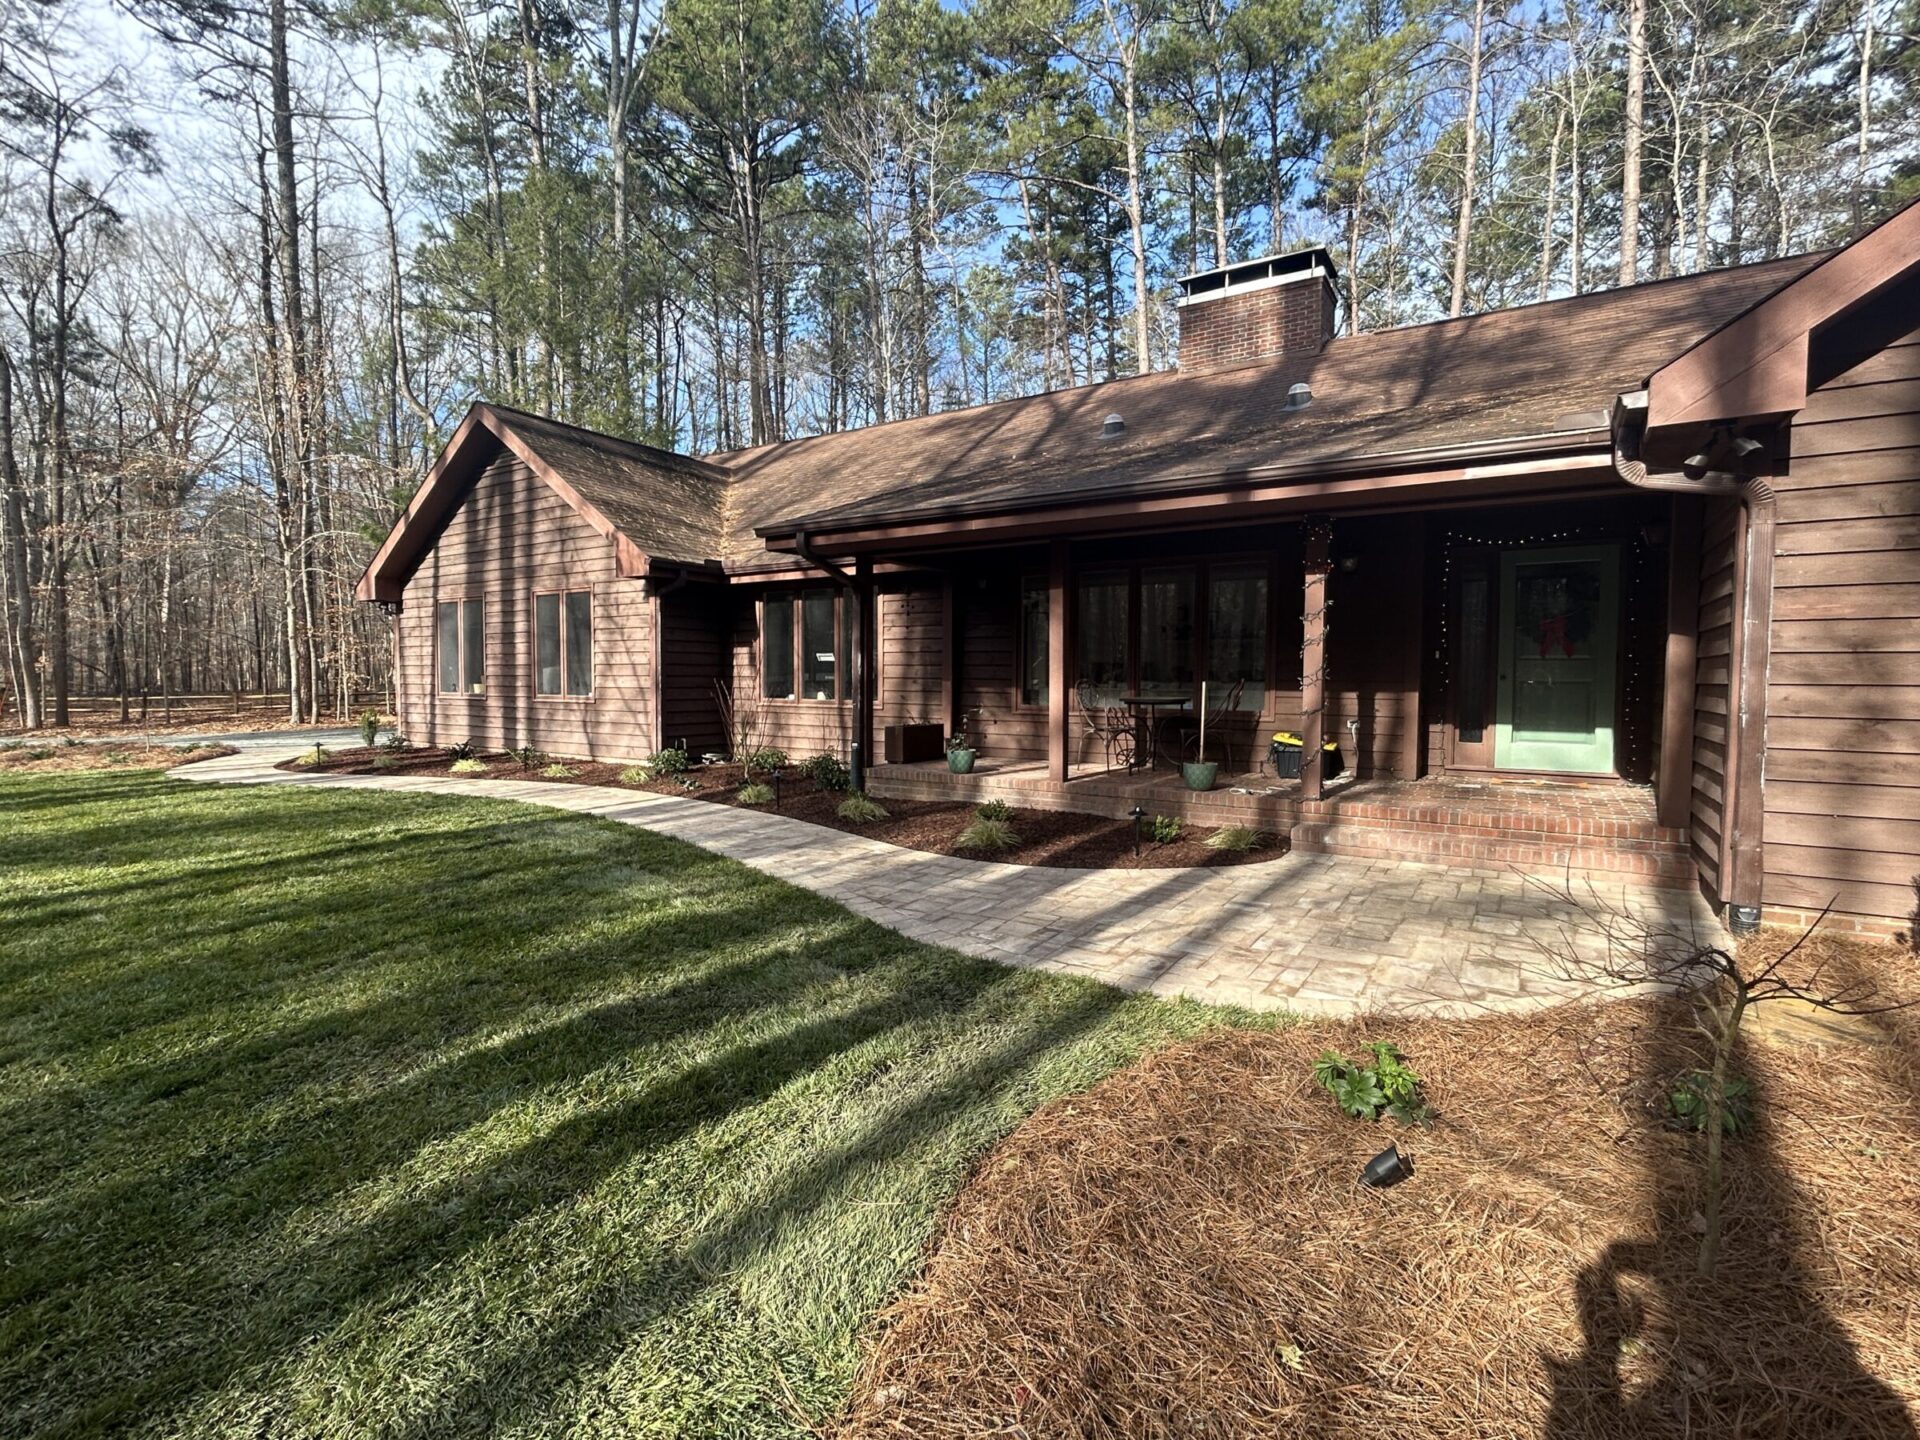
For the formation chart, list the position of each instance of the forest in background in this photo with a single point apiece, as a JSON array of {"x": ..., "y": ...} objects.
[{"x": 251, "y": 277}]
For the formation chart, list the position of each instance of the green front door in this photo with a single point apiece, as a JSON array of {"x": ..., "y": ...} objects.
[{"x": 1558, "y": 640}]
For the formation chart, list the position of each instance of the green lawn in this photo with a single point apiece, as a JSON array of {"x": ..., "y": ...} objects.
[{"x": 326, "y": 1113}]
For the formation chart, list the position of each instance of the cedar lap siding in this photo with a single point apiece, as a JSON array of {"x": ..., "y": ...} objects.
[{"x": 1770, "y": 662}]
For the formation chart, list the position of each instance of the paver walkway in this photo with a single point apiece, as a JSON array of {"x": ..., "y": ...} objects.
[{"x": 1321, "y": 934}]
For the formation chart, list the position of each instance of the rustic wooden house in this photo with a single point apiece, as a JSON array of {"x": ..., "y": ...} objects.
[{"x": 1628, "y": 582}]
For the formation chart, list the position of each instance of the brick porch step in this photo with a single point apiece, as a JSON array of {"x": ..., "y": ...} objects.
[{"x": 1657, "y": 857}]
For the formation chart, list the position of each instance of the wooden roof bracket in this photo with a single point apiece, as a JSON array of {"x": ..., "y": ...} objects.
[{"x": 1727, "y": 467}]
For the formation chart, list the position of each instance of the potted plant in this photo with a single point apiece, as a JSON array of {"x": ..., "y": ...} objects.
[{"x": 960, "y": 751}]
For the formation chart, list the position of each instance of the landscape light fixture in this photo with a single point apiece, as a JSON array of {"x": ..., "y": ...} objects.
[
  {"x": 776, "y": 787},
  {"x": 1138, "y": 815},
  {"x": 1387, "y": 1168}
]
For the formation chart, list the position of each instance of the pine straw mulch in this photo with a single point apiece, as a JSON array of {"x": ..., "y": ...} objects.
[
  {"x": 1058, "y": 838},
  {"x": 1183, "y": 1251},
  {"x": 36, "y": 757}
]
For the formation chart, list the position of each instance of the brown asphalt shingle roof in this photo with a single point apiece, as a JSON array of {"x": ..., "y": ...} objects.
[{"x": 1550, "y": 368}]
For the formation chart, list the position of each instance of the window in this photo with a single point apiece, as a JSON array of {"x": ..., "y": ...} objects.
[
  {"x": 1237, "y": 630},
  {"x": 1034, "y": 653},
  {"x": 1166, "y": 631},
  {"x": 819, "y": 649},
  {"x": 563, "y": 643},
  {"x": 804, "y": 635},
  {"x": 1102, "y": 623},
  {"x": 463, "y": 652}
]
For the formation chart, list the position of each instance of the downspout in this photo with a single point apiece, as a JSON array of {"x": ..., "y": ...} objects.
[
  {"x": 1742, "y": 812},
  {"x": 857, "y": 758}
]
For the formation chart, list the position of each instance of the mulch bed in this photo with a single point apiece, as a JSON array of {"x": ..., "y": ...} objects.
[
  {"x": 42, "y": 757},
  {"x": 1184, "y": 1250},
  {"x": 1047, "y": 837}
]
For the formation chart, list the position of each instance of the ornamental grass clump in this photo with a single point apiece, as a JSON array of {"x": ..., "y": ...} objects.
[
  {"x": 558, "y": 771},
  {"x": 315, "y": 756},
  {"x": 755, "y": 794},
  {"x": 386, "y": 762},
  {"x": 1237, "y": 839},
  {"x": 861, "y": 809},
  {"x": 636, "y": 775},
  {"x": 987, "y": 835},
  {"x": 467, "y": 765}
]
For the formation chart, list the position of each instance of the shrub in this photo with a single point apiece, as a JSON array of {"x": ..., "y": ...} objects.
[
  {"x": 1366, "y": 1092},
  {"x": 765, "y": 759},
  {"x": 557, "y": 771},
  {"x": 1237, "y": 838},
  {"x": 369, "y": 727},
  {"x": 987, "y": 835},
  {"x": 756, "y": 794},
  {"x": 1165, "y": 829},
  {"x": 116, "y": 757},
  {"x": 528, "y": 758},
  {"x": 1687, "y": 1105},
  {"x": 462, "y": 751},
  {"x": 386, "y": 762},
  {"x": 826, "y": 772},
  {"x": 635, "y": 775},
  {"x": 993, "y": 810},
  {"x": 671, "y": 761},
  {"x": 396, "y": 742},
  {"x": 467, "y": 765},
  {"x": 861, "y": 808}
]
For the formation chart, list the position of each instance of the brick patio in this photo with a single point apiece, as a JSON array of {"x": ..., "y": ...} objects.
[{"x": 1310, "y": 932}]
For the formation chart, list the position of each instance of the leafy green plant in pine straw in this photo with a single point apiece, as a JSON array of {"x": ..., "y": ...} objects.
[
  {"x": 669, "y": 762},
  {"x": 861, "y": 809},
  {"x": 369, "y": 727},
  {"x": 755, "y": 794},
  {"x": 827, "y": 773},
  {"x": 460, "y": 750},
  {"x": 527, "y": 757},
  {"x": 467, "y": 765},
  {"x": 993, "y": 810},
  {"x": 396, "y": 742},
  {"x": 1366, "y": 1092},
  {"x": 1236, "y": 839},
  {"x": 1165, "y": 829},
  {"x": 1689, "y": 1103},
  {"x": 987, "y": 836},
  {"x": 764, "y": 760}
]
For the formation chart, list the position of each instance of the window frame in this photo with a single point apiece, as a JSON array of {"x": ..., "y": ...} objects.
[
  {"x": 561, "y": 592},
  {"x": 842, "y": 637},
  {"x": 1018, "y": 699},
  {"x": 463, "y": 690}
]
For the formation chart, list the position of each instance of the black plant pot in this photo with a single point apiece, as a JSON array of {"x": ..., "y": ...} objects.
[{"x": 1389, "y": 1167}]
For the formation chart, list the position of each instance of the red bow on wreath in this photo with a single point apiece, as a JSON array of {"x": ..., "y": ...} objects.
[{"x": 1553, "y": 631}]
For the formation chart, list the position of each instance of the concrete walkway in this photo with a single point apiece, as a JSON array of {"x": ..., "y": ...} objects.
[{"x": 1319, "y": 934}]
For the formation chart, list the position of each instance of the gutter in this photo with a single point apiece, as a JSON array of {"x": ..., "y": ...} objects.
[{"x": 1727, "y": 468}]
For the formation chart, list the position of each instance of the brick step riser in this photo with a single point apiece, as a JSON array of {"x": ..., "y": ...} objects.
[{"x": 1658, "y": 868}]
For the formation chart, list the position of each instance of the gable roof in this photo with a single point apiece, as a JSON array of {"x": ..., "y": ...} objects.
[{"x": 1531, "y": 380}]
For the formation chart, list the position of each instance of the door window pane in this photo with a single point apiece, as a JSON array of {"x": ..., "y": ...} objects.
[
  {"x": 1555, "y": 610},
  {"x": 1102, "y": 626},
  {"x": 1034, "y": 654},
  {"x": 473, "y": 647},
  {"x": 818, "y": 666},
  {"x": 1237, "y": 632},
  {"x": 449, "y": 639},
  {"x": 1166, "y": 632},
  {"x": 1474, "y": 666},
  {"x": 579, "y": 642},
  {"x": 546, "y": 644},
  {"x": 776, "y": 647}
]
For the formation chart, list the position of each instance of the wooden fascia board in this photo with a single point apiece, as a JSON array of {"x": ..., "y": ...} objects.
[
  {"x": 1245, "y": 500},
  {"x": 1756, "y": 365}
]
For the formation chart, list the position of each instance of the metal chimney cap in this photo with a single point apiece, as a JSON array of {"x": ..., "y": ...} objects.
[
  {"x": 1299, "y": 396},
  {"x": 1115, "y": 424}
]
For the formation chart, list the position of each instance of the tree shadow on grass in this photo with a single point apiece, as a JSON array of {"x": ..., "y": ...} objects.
[{"x": 1753, "y": 1351}]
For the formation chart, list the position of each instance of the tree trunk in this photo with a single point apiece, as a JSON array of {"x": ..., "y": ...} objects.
[
  {"x": 1635, "y": 140},
  {"x": 1463, "y": 231}
]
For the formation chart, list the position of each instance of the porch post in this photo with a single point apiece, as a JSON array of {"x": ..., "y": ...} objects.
[
  {"x": 1059, "y": 707},
  {"x": 1411, "y": 721},
  {"x": 863, "y": 628},
  {"x": 1674, "y": 795},
  {"x": 1317, "y": 560},
  {"x": 949, "y": 657}
]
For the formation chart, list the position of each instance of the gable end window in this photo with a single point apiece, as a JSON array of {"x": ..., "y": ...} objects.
[
  {"x": 563, "y": 643},
  {"x": 461, "y": 638}
]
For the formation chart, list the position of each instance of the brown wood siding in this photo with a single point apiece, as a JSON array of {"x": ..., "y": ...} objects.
[
  {"x": 1843, "y": 693},
  {"x": 510, "y": 537},
  {"x": 1713, "y": 653},
  {"x": 696, "y": 630},
  {"x": 802, "y": 728}
]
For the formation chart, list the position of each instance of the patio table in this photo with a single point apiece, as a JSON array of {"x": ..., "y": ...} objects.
[{"x": 1148, "y": 717}]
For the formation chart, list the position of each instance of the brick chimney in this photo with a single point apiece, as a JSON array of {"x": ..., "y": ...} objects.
[{"x": 1257, "y": 309}]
